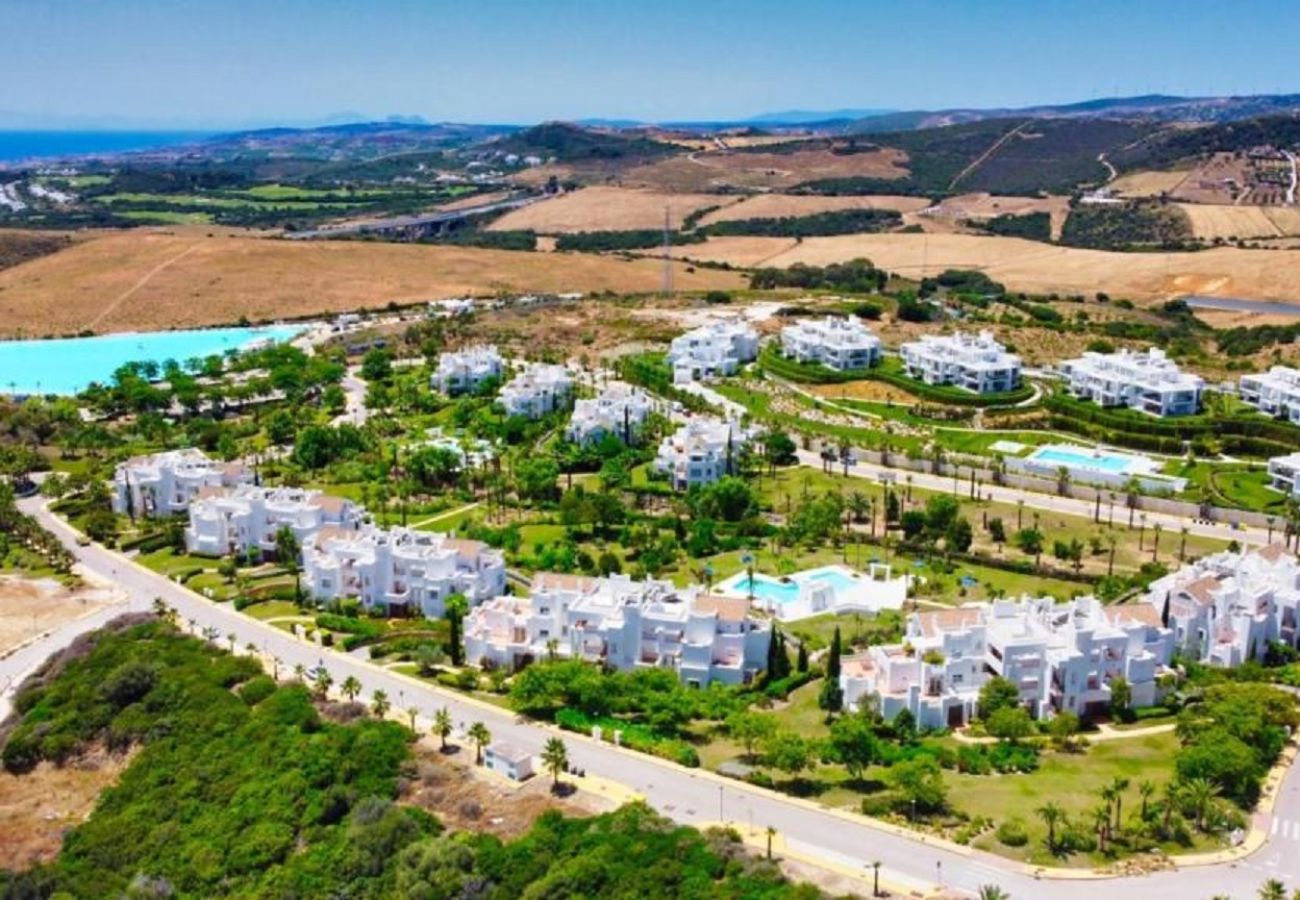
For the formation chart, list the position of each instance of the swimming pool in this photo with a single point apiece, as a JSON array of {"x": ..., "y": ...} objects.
[
  {"x": 770, "y": 589},
  {"x": 1084, "y": 459},
  {"x": 69, "y": 365}
]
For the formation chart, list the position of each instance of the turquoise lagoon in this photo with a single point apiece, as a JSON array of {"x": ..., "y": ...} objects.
[{"x": 70, "y": 365}]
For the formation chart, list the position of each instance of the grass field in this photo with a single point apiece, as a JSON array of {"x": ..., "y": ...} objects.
[
  {"x": 1030, "y": 266},
  {"x": 606, "y": 209},
  {"x": 762, "y": 171},
  {"x": 148, "y": 279}
]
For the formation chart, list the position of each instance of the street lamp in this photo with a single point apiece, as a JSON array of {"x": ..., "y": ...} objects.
[{"x": 721, "y": 817}]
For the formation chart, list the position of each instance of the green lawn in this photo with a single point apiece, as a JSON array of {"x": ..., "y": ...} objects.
[{"x": 274, "y": 609}]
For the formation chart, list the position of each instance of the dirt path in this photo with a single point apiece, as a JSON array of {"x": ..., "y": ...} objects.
[
  {"x": 125, "y": 295},
  {"x": 979, "y": 160},
  {"x": 1101, "y": 158}
]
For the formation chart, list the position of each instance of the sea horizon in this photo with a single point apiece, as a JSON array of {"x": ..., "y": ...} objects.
[{"x": 30, "y": 143}]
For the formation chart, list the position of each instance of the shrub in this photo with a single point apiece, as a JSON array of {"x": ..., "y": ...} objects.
[
  {"x": 1012, "y": 833},
  {"x": 255, "y": 690}
]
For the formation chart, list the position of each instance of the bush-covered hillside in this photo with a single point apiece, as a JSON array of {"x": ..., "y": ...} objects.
[
  {"x": 242, "y": 789},
  {"x": 1127, "y": 226}
]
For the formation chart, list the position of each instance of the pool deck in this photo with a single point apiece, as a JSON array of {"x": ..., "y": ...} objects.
[{"x": 871, "y": 592}]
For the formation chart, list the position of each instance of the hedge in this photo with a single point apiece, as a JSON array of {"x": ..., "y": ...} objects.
[{"x": 634, "y": 736}]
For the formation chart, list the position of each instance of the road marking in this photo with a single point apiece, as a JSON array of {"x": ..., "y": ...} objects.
[{"x": 1276, "y": 822}]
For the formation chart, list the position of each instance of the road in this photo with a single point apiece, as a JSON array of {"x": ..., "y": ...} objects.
[
  {"x": 1046, "y": 502},
  {"x": 354, "y": 395},
  {"x": 688, "y": 796}
]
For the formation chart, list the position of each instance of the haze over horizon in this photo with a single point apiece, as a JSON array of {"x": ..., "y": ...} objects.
[{"x": 198, "y": 64}]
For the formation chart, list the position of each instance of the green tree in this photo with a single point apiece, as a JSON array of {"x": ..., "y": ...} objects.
[
  {"x": 555, "y": 758},
  {"x": 377, "y": 365},
  {"x": 288, "y": 552},
  {"x": 831, "y": 697},
  {"x": 481, "y": 736},
  {"x": 788, "y": 752},
  {"x": 997, "y": 693},
  {"x": 919, "y": 784},
  {"x": 455, "y": 608},
  {"x": 1053, "y": 816},
  {"x": 1009, "y": 723},
  {"x": 1121, "y": 697},
  {"x": 442, "y": 727},
  {"x": 379, "y": 704},
  {"x": 853, "y": 743},
  {"x": 750, "y": 729}
]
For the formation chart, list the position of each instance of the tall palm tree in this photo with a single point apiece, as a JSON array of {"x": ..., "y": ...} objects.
[
  {"x": 379, "y": 704},
  {"x": 1120, "y": 785},
  {"x": 1145, "y": 790},
  {"x": 1199, "y": 794},
  {"x": 479, "y": 734},
  {"x": 1052, "y": 815},
  {"x": 322, "y": 681},
  {"x": 1101, "y": 823},
  {"x": 555, "y": 758},
  {"x": 442, "y": 726}
]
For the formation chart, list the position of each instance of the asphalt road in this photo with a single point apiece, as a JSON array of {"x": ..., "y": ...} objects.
[{"x": 691, "y": 797}]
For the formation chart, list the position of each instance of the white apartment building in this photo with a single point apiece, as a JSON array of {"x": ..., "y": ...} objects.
[
  {"x": 463, "y": 371},
  {"x": 1284, "y": 473},
  {"x": 540, "y": 389},
  {"x": 1227, "y": 608},
  {"x": 700, "y": 452},
  {"x": 974, "y": 362},
  {"x": 164, "y": 484},
  {"x": 400, "y": 569},
  {"x": 838, "y": 343},
  {"x": 620, "y": 409},
  {"x": 247, "y": 518},
  {"x": 624, "y": 624},
  {"x": 1149, "y": 382},
  {"x": 716, "y": 349},
  {"x": 1276, "y": 392},
  {"x": 1062, "y": 656}
]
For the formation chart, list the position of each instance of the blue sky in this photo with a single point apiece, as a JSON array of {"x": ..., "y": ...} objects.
[{"x": 187, "y": 63}]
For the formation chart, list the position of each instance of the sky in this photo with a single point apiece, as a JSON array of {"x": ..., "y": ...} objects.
[{"x": 241, "y": 63}]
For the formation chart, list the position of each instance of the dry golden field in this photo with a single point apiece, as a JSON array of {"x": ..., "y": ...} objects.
[
  {"x": 1146, "y": 184},
  {"x": 606, "y": 209},
  {"x": 1210, "y": 221},
  {"x": 708, "y": 171},
  {"x": 1031, "y": 266},
  {"x": 771, "y": 206},
  {"x": 947, "y": 215},
  {"x": 139, "y": 279}
]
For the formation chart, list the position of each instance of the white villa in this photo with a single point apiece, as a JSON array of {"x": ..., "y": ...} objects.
[
  {"x": 974, "y": 362},
  {"x": 1062, "y": 656},
  {"x": 1284, "y": 472},
  {"x": 463, "y": 371},
  {"x": 247, "y": 518},
  {"x": 1227, "y": 608},
  {"x": 624, "y": 624},
  {"x": 164, "y": 484},
  {"x": 701, "y": 451},
  {"x": 1149, "y": 382},
  {"x": 618, "y": 410},
  {"x": 838, "y": 343},
  {"x": 1276, "y": 392},
  {"x": 400, "y": 569},
  {"x": 541, "y": 388},
  {"x": 717, "y": 349}
]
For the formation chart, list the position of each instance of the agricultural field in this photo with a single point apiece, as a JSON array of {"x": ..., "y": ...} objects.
[
  {"x": 1028, "y": 265},
  {"x": 952, "y": 211},
  {"x": 1222, "y": 222},
  {"x": 774, "y": 206},
  {"x": 763, "y": 170},
  {"x": 606, "y": 209},
  {"x": 1147, "y": 184},
  {"x": 142, "y": 280}
]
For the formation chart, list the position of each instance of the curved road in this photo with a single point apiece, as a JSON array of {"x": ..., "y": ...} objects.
[{"x": 691, "y": 796}]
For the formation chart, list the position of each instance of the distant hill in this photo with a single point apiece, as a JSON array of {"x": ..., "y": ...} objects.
[
  {"x": 1149, "y": 107},
  {"x": 568, "y": 142}
]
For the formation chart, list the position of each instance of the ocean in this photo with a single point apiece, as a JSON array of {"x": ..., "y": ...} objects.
[{"x": 16, "y": 145}]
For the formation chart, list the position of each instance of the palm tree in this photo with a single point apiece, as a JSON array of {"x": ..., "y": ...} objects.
[
  {"x": 555, "y": 759},
  {"x": 1101, "y": 822},
  {"x": 1119, "y": 785},
  {"x": 1199, "y": 794},
  {"x": 322, "y": 680},
  {"x": 479, "y": 734},
  {"x": 993, "y": 892},
  {"x": 351, "y": 687},
  {"x": 1145, "y": 790},
  {"x": 411, "y": 713},
  {"x": 1052, "y": 816},
  {"x": 1170, "y": 801},
  {"x": 442, "y": 726},
  {"x": 1272, "y": 890},
  {"x": 379, "y": 704},
  {"x": 299, "y": 671}
]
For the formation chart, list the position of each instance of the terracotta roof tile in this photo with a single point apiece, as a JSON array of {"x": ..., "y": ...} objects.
[{"x": 728, "y": 609}]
